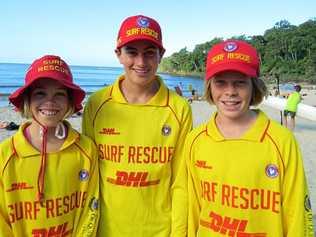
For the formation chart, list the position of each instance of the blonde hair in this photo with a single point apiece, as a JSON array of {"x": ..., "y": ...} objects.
[
  {"x": 259, "y": 91},
  {"x": 25, "y": 108}
]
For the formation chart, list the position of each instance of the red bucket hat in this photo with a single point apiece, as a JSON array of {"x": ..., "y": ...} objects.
[
  {"x": 232, "y": 55},
  {"x": 53, "y": 67},
  {"x": 139, "y": 28}
]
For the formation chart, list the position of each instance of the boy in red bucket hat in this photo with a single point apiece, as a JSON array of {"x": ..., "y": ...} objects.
[
  {"x": 139, "y": 126},
  {"x": 243, "y": 172},
  {"x": 49, "y": 172}
]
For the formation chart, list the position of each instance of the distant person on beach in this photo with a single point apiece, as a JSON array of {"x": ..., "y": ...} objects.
[
  {"x": 139, "y": 126},
  {"x": 49, "y": 172},
  {"x": 181, "y": 86},
  {"x": 291, "y": 107},
  {"x": 243, "y": 172},
  {"x": 179, "y": 89},
  {"x": 194, "y": 96}
]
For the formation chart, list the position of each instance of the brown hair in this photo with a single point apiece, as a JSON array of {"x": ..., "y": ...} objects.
[{"x": 258, "y": 93}]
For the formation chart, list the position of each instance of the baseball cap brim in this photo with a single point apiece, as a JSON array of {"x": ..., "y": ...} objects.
[
  {"x": 232, "y": 66},
  {"x": 137, "y": 38}
]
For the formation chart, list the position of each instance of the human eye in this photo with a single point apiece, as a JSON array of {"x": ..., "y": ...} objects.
[
  {"x": 131, "y": 52},
  {"x": 241, "y": 83},
  {"x": 219, "y": 83},
  {"x": 151, "y": 53},
  {"x": 61, "y": 93},
  {"x": 38, "y": 93}
]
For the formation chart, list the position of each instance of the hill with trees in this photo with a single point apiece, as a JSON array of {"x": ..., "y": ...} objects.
[{"x": 286, "y": 51}]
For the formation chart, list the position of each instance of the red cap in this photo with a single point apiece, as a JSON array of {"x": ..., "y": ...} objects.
[
  {"x": 139, "y": 28},
  {"x": 53, "y": 67},
  {"x": 232, "y": 55}
]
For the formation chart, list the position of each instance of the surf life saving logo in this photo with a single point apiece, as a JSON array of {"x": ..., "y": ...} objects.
[
  {"x": 83, "y": 175},
  {"x": 230, "y": 47},
  {"x": 142, "y": 22},
  {"x": 272, "y": 171},
  {"x": 166, "y": 130}
]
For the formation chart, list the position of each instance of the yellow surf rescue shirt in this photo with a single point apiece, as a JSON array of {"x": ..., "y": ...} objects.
[
  {"x": 252, "y": 186},
  {"x": 139, "y": 149},
  {"x": 71, "y": 188}
]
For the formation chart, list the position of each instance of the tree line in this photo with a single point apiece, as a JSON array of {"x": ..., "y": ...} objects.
[{"x": 287, "y": 52}]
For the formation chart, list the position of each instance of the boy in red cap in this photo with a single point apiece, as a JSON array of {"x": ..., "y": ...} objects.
[
  {"x": 139, "y": 126},
  {"x": 49, "y": 181},
  {"x": 243, "y": 172}
]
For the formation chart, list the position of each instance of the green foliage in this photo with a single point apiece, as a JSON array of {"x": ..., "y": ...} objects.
[{"x": 285, "y": 50}]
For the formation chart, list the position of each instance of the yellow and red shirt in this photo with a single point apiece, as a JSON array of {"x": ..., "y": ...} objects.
[
  {"x": 71, "y": 191},
  {"x": 139, "y": 149},
  {"x": 293, "y": 101},
  {"x": 251, "y": 186}
]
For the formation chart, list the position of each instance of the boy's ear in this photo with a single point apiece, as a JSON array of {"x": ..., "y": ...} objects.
[
  {"x": 117, "y": 52},
  {"x": 161, "y": 52}
]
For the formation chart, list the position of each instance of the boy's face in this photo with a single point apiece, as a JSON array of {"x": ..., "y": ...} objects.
[
  {"x": 140, "y": 60},
  {"x": 231, "y": 93}
]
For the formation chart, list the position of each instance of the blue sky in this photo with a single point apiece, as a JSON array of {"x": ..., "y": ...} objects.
[{"x": 84, "y": 32}]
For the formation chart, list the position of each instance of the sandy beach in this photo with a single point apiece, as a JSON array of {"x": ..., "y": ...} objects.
[{"x": 305, "y": 133}]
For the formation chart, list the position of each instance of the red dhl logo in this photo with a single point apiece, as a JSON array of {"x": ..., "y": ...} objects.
[
  {"x": 132, "y": 179},
  {"x": 228, "y": 226},
  {"x": 109, "y": 131},
  {"x": 19, "y": 186},
  {"x": 53, "y": 231},
  {"x": 202, "y": 164}
]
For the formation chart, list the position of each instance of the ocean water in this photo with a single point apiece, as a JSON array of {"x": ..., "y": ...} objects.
[{"x": 88, "y": 77}]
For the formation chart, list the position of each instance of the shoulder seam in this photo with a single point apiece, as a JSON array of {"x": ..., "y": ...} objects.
[
  {"x": 278, "y": 150},
  {"x": 195, "y": 138},
  {"x": 100, "y": 106},
  {"x": 10, "y": 157}
]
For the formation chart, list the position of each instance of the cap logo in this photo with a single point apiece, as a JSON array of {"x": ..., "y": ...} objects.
[
  {"x": 272, "y": 171},
  {"x": 53, "y": 65},
  {"x": 230, "y": 46},
  {"x": 217, "y": 58},
  {"x": 142, "y": 31},
  {"x": 142, "y": 22}
]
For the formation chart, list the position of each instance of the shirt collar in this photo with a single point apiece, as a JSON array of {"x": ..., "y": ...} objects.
[
  {"x": 254, "y": 133},
  {"x": 161, "y": 98},
  {"x": 24, "y": 149}
]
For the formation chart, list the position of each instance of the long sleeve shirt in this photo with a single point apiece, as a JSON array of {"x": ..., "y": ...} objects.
[{"x": 139, "y": 148}]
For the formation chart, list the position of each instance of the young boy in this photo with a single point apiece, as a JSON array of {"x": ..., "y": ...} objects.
[
  {"x": 291, "y": 107},
  {"x": 244, "y": 172},
  {"x": 139, "y": 126}
]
